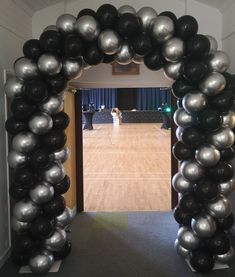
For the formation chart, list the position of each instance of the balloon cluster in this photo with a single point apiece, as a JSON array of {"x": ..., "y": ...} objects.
[{"x": 204, "y": 118}]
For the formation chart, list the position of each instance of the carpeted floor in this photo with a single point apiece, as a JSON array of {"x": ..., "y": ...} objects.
[{"x": 123, "y": 245}]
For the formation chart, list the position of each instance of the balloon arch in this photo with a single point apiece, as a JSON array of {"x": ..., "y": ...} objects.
[{"x": 204, "y": 118}]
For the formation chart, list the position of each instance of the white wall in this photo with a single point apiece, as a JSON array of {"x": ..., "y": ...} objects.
[
  {"x": 101, "y": 75},
  {"x": 15, "y": 28}
]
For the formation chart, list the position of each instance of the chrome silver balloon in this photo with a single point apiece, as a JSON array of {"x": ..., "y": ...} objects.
[
  {"x": 218, "y": 61},
  {"x": 226, "y": 258},
  {"x": 125, "y": 54},
  {"x": 49, "y": 64},
  {"x": 227, "y": 188},
  {"x": 109, "y": 42},
  {"x": 126, "y": 9},
  {"x": 194, "y": 101},
  {"x": 26, "y": 210},
  {"x": 52, "y": 105},
  {"x": 181, "y": 251},
  {"x": 41, "y": 262},
  {"x": 191, "y": 170},
  {"x": 228, "y": 119},
  {"x": 162, "y": 29},
  {"x": 146, "y": 15},
  {"x": 65, "y": 23},
  {"x": 203, "y": 225},
  {"x": 222, "y": 138},
  {"x": 41, "y": 192},
  {"x": 213, "y": 43},
  {"x": 25, "y": 69},
  {"x": 87, "y": 27},
  {"x": 178, "y": 132},
  {"x": 187, "y": 239},
  {"x": 40, "y": 123},
  {"x": 180, "y": 184},
  {"x": 65, "y": 218},
  {"x": 183, "y": 119},
  {"x": 173, "y": 50},
  {"x": 213, "y": 84},
  {"x": 13, "y": 87},
  {"x": 72, "y": 69},
  {"x": 19, "y": 226},
  {"x": 62, "y": 155},
  {"x": 24, "y": 142},
  {"x": 138, "y": 59},
  {"x": 50, "y": 28},
  {"x": 207, "y": 155},
  {"x": 16, "y": 159},
  {"x": 56, "y": 241},
  {"x": 173, "y": 70},
  {"x": 55, "y": 173},
  {"x": 220, "y": 207}
]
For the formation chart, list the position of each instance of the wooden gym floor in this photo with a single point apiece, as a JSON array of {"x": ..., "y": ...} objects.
[{"x": 126, "y": 168}]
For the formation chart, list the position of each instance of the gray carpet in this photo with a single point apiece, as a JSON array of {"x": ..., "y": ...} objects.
[{"x": 123, "y": 245}]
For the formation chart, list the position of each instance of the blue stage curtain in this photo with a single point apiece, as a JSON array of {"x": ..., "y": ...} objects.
[
  {"x": 152, "y": 98},
  {"x": 100, "y": 96}
]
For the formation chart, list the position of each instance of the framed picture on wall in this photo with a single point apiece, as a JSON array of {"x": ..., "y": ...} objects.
[{"x": 129, "y": 69}]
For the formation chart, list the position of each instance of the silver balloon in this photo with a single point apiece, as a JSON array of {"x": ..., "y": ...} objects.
[
  {"x": 62, "y": 155},
  {"x": 126, "y": 9},
  {"x": 228, "y": 119},
  {"x": 55, "y": 173},
  {"x": 125, "y": 55},
  {"x": 178, "y": 132},
  {"x": 41, "y": 192},
  {"x": 146, "y": 16},
  {"x": 72, "y": 69},
  {"x": 50, "y": 28},
  {"x": 203, "y": 225},
  {"x": 220, "y": 207},
  {"x": 214, "y": 83},
  {"x": 227, "y": 188},
  {"x": 49, "y": 64},
  {"x": 24, "y": 142},
  {"x": 194, "y": 101},
  {"x": 173, "y": 70},
  {"x": 19, "y": 226},
  {"x": 13, "y": 87},
  {"x": 191, "y": 170},
  {"x": 25, "y": 69},
  {"x": 183, "y": 119},
  {"x": 65, "y": 218},
  {"x": 218, "y": 61},
  {"x": 52, "y": 105},
  {"x": 180, "y": 184},
  {"x": 16, "y": 159},
  {"x": 40, "y": 123},
  {"x": 87, "y": 27},
  {"x": 222, "y": 138},
  {"x": 187, "y": 239},
  {"x": 213, "y": 43},
  {"x": 181, "y": 251},
  {"x": 173, "y": 50},
  {"x": 109, "y": 42},
  {"x": 41, "y": 262},
  {"x": 26, "y": 210},
  {"x": 207, "y": 155},
  {"x": 226, "y": 258},
  {"x": 65, "y": 23},
  {"x": 138, "y": 59},
  {"x": 163, "y": 29},
  {"x": 56, "y": 241},
  {"x": 62, "y": 95}
]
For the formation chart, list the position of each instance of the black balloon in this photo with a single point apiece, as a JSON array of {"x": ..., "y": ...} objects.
[
  {"x": 225, "y": 223},
  {"x": 181, "y": 87},
  {"x": 191, "y": 137},
  {"x": 186, "y": 27},
  {"x": 107, "y": 16},
  {"x": 189, "y": 204},
  {"x": 18, "y": 192},
  {"x": 73, "y": 46},
  {"x": 154, "y": 60},
  {"x": 54, "y": 140},
  {"x": 63, "y": 186},
  {"x": 179, "y": 103},
  {"x": 223, "y": 101},
  {"x": 227, "y": 154},
  {"x": 181, "y": 217},
  {"x": 169, "y": 14},
  {"x": 25, "y": 175},
  {"x": 142, "y": 44},
  {"x": 13, "y": 126},
  {"x": 229, "y": 80},
  {"x": 42, "y": 227},
  {"x": 219, "y": 244},
  {"x": 93, "y": 55},
  {"x": 86, "y": 12},
  {"x": 198, "y": 46},
  {"x": 55, "y": 206},
  {"x": 210, "y": 120},
  {"x": 41, "y": 158},
  {"x": 57, "y": 83},
  {"x": 25, "y": 245},
  {"x": 128, "y": 25},
  {"x": 206, "y": 190},
  {"x": 108, "y": 58},
  {"x": 32, "y": 49},
  {"x": 22, "y": 109},
  {"x": 202, "y": 260},
  {"x": 35, "y": 91},
  {"x": 60, "y": 121},
  {"x": 19, "y": 259},
  {"x": 194, "y": 70},
  {"x": 220, "y": 173},
  {"x": 50, "y": 41},
  {"x": 181, "y": 152},
  {"x": 64, "y": 251}
]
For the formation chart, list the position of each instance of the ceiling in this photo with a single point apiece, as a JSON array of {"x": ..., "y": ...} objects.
[{"x": 219, "y": 4}]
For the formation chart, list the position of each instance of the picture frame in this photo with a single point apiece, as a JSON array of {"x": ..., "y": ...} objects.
[{"x": 129, "y": 69}]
